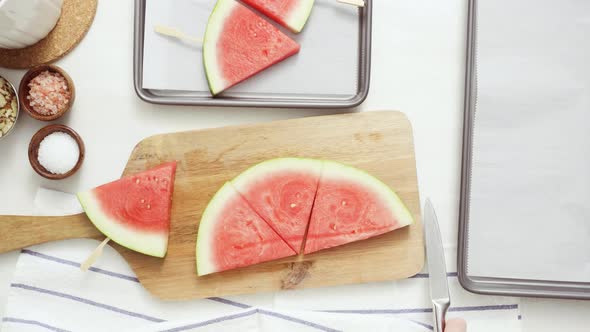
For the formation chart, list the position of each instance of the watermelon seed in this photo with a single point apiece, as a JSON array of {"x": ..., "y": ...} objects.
[
  {"x": 143, "y": 201},
  {"x": 333, "y": 226},
  {"x": 343, "y": 203},
  {"x": 137, "y": 181},
  {"x": 149, "y": 206},
  {"x": 293, "y": 205}
]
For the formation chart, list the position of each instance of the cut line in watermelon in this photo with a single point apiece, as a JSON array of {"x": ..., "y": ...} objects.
[
  {"x": 292, "y": 14},
  {"x": 232, "y": 235},
  {"x": 239, "y": 44},
  {"x": 352, "y": 205},
  {"x": 282, "y": 192},
  {"x": 134, "y": 211}
]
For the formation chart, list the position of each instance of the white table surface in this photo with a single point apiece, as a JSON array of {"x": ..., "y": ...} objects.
[{"x": 418, "y": 68}]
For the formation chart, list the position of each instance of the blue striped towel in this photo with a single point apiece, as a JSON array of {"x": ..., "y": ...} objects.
[{"x": 49, "y": 293}]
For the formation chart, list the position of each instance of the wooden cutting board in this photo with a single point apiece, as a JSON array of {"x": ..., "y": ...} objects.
[{"x": 379, "y": 142}]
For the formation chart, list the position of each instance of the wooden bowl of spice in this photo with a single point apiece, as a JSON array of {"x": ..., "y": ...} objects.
[
  {"x": 46, "y": 92},
  {"x": 56, "y": 152}
]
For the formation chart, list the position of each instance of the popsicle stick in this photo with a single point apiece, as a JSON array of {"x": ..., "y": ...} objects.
[
  {"x": 176, "y": 33},
  {"x": 94, "y": 256},
  {"x": 358, "y": 3}
]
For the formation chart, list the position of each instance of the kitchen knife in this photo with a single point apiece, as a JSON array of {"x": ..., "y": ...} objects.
[{"x": 439, "y": 287}]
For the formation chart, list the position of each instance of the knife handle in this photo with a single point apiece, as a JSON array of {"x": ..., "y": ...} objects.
[{"x": 439, "y": 310}]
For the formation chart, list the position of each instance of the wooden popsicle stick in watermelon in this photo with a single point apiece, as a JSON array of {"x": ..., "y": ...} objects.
[
  {"x": 177, "y": 33},
  {"x": 357, "y": 3},
  {"x": 94, "y": 256}
]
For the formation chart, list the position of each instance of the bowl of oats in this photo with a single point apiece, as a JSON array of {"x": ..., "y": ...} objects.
[
  {"x": 9, "y": 107},
  {"x": 46, "y": 92}
]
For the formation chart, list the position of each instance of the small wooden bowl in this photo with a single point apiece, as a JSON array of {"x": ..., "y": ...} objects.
[
  {"x": 23, "y": 91},
  {"x": 34, "y": 151}
]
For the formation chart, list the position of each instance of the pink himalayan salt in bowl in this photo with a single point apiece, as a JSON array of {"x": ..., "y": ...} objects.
[{"x": 46, "y": 92}]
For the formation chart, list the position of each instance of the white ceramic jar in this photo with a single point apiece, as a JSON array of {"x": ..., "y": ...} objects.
[{"x": 25, "y": 22}]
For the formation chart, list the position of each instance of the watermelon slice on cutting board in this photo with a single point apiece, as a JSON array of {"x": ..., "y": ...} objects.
[
  {"x": 232, "y": 235},
  {"x": 352, "y": 205},
  {"x": 292, "y": 14},
  {"x": 135, "y": 210},
  {"x": 274, "y": 207},
  {"x": 239, "y": 44},
  {"x": 282, "y": 192}
]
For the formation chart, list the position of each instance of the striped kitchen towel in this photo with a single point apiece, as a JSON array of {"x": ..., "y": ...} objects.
[{"x": 50, "y": 293}]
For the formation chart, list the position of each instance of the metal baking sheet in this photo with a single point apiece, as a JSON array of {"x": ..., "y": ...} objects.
[
  {"x": 292, "y": 84},
  {"x": 501, "y": 283}
]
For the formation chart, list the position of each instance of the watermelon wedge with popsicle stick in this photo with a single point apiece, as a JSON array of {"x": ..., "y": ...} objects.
[
  {"x": 292, "y": 14},
  {"x": 135, "y": 210},
  {"x": 239, "y": 44}
]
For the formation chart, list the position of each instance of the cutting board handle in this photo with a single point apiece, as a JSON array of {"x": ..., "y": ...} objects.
[{"x": 17, "y": 232}]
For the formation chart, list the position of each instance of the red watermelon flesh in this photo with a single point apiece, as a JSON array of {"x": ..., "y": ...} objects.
[
  {"x": 232, "y": 235},
  {"x": 292, "y": 14},
  {"x": 239, "y": 44},
  {"x": 282, "y": 192},
  {"x": 352, "y": 205},
  {"x": 135, "y": 210}
]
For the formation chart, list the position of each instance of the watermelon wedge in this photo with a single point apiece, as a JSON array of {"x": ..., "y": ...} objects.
[
  {"x": 282, "y": 191},
  {"x": 135, "y": 210},
  {"x": 232, "y": 235},
  {"x": 352, "y": 205},
  {"x": 292, "y": 14},
  {"x": 239, "y": 44}
]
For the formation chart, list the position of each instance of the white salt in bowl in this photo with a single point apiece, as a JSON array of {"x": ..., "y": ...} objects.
[{"x": 34, "y": 151}]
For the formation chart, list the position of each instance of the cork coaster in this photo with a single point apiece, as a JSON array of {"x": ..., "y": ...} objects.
[{"x": 76, "y": 18}]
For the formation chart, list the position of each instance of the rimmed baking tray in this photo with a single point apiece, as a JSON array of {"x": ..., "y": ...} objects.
[
  {"x": 482, "y": 284},
  {"x": 356, "y": 92}
]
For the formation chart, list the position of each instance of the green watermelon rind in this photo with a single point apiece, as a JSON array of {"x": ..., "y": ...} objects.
[
  {"x": 149, "y": 243},
  {"x": 400, "y": 212},
  {"x": 205, "y": 263},
  {"x": 300, "y": 16},
  {"x": 213, "y": 31}
]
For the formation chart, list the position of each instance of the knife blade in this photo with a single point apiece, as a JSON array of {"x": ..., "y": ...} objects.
[{"x": 439, "y": 287}]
